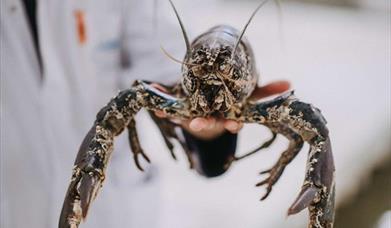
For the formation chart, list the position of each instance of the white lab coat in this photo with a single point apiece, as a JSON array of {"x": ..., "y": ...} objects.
[{"x": 44, "y": 121}]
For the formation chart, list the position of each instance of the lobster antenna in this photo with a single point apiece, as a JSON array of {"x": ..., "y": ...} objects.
[
  {"x": 245, "y": 27},
  {"x": 188, "y": 50},
  {"x": 174, "y": 59}
]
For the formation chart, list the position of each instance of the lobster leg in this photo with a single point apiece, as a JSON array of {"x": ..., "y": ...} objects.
[
  {"x": 96, "y": 149},
  {"x": 294, "y": 147},
  {"x": 135, "y": 144},
  {"x": 167, "y": 129},
  {"x": 318, "y": 190},
  {"x": 263, "y": 146}
]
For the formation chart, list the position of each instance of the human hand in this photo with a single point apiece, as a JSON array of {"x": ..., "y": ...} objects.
[{"x": 210, "y": 128}]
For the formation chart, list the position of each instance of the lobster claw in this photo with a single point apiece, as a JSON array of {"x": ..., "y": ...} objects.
[
  {"x": 299, "y": 122},
  {"x": 88, "y": 189},
  {"x": 318, "y": 192},
  {"x": 87, "y": 177},
  {"x": 95, "y": 151},
  {"x": 303, "y": 200},
  {"x": 79, "y": 197}
]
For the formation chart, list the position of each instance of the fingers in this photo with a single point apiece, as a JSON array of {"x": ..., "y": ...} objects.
[
  {"x": 233, "y": 126},
  {"x": 204, "y": 128},
  {"x": 199, "y": 124},
  {"x": 270, "y": 89},
  {"x": 159, "y": 87}
]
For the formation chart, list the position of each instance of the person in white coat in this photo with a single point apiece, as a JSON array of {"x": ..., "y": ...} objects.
[{"x": 61, "y": 61}]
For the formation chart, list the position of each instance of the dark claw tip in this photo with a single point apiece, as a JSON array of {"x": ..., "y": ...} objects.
[
  {"x": 173, "y": 155},
  {"x": 138, "y": 164},
  {"x": 140, "y": 168},
  {"x": 266, "y": 194},
  {"x": 265, "y": 172},
  {"x": 146, "y": 157},
  {"x": 262, "y": 182},
  {"x": 264, "y": 197}
]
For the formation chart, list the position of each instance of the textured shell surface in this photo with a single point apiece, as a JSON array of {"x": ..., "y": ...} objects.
[{"x": 213, "y": 79}]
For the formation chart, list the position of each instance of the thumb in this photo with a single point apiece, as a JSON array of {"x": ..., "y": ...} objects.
[{"x": 270, "y": 89}]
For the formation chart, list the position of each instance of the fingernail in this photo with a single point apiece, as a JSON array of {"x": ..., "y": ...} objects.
[
  {"x": 197, "y": 124},
  {"x": 160, "y": 114},
  {"x": 211, "y": 124},
  {"x": 232, "y": 126},
  {"x": 159, "y": 87}
]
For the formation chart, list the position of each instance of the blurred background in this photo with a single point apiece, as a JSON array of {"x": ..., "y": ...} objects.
[{"x": 337, "y": 56}]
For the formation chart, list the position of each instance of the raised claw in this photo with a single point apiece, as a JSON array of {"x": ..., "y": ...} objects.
[
  {"x": 81, "y": 193},
  {"x": 300, "y": 122},
  {"x": 87, "y": 176},
  {"x": 303, "y": 200},
  {"x": 318, "y": 191},
  {"x": 95, "y": 151}
]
